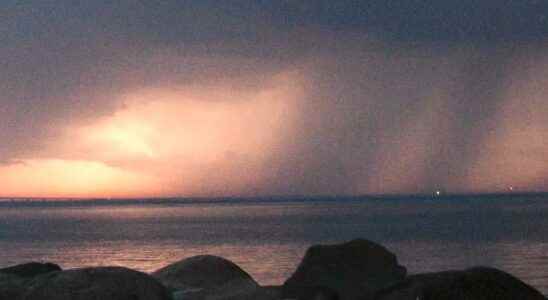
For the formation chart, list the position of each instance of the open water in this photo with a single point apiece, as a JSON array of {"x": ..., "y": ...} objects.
[{"x": 268, "y": 238}]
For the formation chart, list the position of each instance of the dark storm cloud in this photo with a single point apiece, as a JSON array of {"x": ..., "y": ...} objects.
[
  {"x": 430, "y": 20},
  {"x": 376, "y": 68},
  {"x": 362, "y": 104}
]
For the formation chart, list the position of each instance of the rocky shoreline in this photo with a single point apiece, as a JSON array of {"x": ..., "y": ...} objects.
[{"x": 356, "y": 270}]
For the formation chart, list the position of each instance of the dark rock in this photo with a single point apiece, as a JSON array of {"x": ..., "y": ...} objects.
[
  {"x": 260, "y": 293},
  {"x": 205, "y": 272},
  {"x": 105, "y": 283},
  {"x": 230, "y": 292},
  {"x": 268, "y": 293},
  {"x": 31, "y": 269},
  {"x": 314, "y": 293},
  {"x": 352, "y": 270},
  {"x": 324, "y": 293},
  {"x": 473, "y": 284},
  {"x": 13, "y": 280},
  {"x": 11, "y": 286}
]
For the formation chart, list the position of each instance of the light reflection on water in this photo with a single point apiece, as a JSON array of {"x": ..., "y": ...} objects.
[{"x": 269, "y": 239}]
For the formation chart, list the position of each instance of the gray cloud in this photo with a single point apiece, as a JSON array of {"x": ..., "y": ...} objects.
[{"x": 380, "y": 77}]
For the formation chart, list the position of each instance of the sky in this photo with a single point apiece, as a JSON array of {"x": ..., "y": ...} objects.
[{"x": 254, "y": 98}]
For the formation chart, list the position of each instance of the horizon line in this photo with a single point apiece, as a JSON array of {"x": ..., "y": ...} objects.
[{"x": 282, "y": 197}]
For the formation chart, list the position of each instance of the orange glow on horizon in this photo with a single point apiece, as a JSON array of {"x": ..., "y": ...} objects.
[
  {"x": 66, "y": 178},
  {"x": 165, "y": 142}
]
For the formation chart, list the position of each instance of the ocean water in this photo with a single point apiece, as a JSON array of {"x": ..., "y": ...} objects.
[{"x": 268, "y": 238}]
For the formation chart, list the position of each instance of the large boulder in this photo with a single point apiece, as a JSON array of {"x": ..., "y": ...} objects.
[
  {"x": 354, "y": 270},
  {"x": 205, "y": 272},
  {"x": 105, "y": 283},
  {"x": 473, "y": 284},
  {"x": 14, "y": 279},
  {"x": 30, "y": 269},
  {"x": 11, "y": 286},
  {"x": 261, "y": 293},
  {"x": 227, "y": 293}
]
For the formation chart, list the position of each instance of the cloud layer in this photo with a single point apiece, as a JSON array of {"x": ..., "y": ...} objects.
[{"x": 236, "y": 99}]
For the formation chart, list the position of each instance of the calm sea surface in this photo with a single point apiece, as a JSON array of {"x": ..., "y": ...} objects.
[{"x": 268, "y": 238}]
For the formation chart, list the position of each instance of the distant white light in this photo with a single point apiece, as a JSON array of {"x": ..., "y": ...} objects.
[
  {"x": 438, "y": 193},
  {"x": 511, "y": 188}
]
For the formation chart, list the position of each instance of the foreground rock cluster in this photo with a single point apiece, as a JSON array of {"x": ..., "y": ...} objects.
[{"x": 356, "y": 270}]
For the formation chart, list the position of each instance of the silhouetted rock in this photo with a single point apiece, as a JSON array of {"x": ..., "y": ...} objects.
[
  {"x": 230, "y": 292},
  {"x": 313, "y": 293},
  {"x": 13, "y": 280},
  {"x": 11, "y": 286},
  {"x": 204, "y": 272},
  {"x": 105, "y": 283},
  {"x": 353, "y": 270},
  {"x": 30, "y": 269},
  {"x": 233, "y": 290},
  {"x": 267, "y": 293},
  {"x": 260, "y": 293},
  {"x": 472, "y": 284}
]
